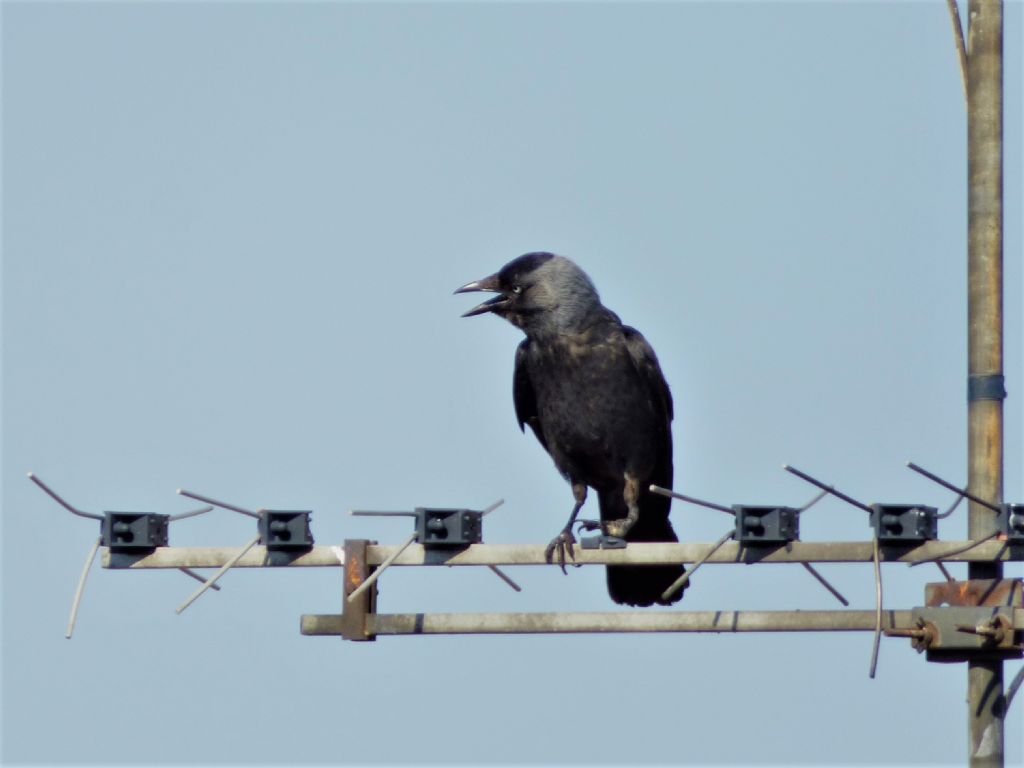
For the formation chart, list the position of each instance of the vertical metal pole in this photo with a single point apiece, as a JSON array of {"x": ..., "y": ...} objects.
[
  {"x": 985, "y": 698},
  {"x": 354, "y": 613}
]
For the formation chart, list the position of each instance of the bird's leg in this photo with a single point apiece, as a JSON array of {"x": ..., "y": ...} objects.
[
  {"x": 619, "y": 528},
  {"x": 563, "y": 541}
]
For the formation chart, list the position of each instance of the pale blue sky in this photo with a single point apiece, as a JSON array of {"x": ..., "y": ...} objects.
[{"x": 230, "y": 237}]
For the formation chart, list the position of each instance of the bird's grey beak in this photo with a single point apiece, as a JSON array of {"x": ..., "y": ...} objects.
[{"x": 490, "y": 285}]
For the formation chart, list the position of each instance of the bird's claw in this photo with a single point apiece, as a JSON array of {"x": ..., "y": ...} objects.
[
  {"x": 561, "y": 543},
  {"x": 589, "y": 525}
]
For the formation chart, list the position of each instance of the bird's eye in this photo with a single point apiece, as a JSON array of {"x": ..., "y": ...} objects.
[{"x": 517, "y": 289}]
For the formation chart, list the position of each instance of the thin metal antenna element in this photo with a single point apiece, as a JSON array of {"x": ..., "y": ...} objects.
[
  {"x": 193, "y": 513},
  {"x": 876, "y": 555},
  {"x": 220, "y": 572},
  {"x": 382, "y": 567},
  {"x": 951, "y": 510},
  {"x": 198, "y": 577},
  {"x": 682, "y": 580},
  {"x": 956, "y": 551},
  {"x": 59, "y": 500},
  {"x": 963, "y": 492},
  {"x": 81, "y": 587},
  {"x": 812, "y": 502},
  {"x": 947, "y": 574},
  {"x": 505, "y": 577},
  {"x": 223, "y": 505},
  {"x": 835, "y": 592},
  {"x": 1013, "y": 687},
  {"x": 497, "y": 571},
  {"x": 826, "y": 488},
  {"x": 673, "y": 494},
  {"x": 487, "y": 510},
  {"x": 375, "y": 513},
  {"x": 958, "y": 36}
]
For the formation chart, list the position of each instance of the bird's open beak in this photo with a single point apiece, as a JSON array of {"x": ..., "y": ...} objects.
[{"x": 488, "y": 284}]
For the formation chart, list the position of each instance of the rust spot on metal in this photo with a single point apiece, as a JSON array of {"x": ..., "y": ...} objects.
[
  {"x": 354, "y": 569},
  {"x": 975, "y": 592}
]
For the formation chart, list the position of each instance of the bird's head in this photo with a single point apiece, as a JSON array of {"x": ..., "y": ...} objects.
[{"x": 539, "y": 293}]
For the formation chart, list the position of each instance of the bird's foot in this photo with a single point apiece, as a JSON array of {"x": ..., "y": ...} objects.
[
  {"x": 616, "y": 528},
  {"x": 561, "y": 544}
]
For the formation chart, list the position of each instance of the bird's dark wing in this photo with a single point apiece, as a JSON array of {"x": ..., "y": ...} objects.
[
  {"x": 523, "y": 395},
  {"x": 646, "y": 363},
  {"x": 633, "y": 585}
]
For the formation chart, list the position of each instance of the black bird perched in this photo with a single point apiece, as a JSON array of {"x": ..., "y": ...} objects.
[{"x": 593, "y": 393}]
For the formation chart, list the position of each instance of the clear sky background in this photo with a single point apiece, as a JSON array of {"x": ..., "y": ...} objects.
[{"x": 230, "y": 237}]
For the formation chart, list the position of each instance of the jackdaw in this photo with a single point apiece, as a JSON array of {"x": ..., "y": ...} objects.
[{"x": 593, "y": 393}]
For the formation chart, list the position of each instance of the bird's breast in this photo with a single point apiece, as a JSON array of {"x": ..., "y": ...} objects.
[{"x": 595, "y": 410}]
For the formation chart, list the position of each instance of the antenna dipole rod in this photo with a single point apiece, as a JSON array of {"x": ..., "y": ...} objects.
[
  {"x": 198, "y": 577},
  {"x": 505, "y": 577},
  {"x": 700, "y": 502},
  {"x": 222, "y": 504},
  {"x": 948, "y": 485},
  {"x": 488, "y": 509},
  {"x": 375, "y": 513},
  {"x": 956, "y": 551},
  {"x": 876, "y": 557},
  {"x": 193, "y": 513},
  {"x": 53, "y": 495},
  {"x": 812, "y": 502},
  {"x": 81, "y": 587},
  {"x": 685, "y": 578},
  {"x": 220, "y": 572},
  {"x": 382, "y": 567},
  {"x": 827, "y": 488},
  {"x": 824, "y": 582}
]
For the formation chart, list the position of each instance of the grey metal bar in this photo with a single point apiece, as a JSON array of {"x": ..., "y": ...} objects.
[
  {"x": 619, "y": 621},
  {"x": 730, "y": 552},
  {"x": 533, "y": 554}
]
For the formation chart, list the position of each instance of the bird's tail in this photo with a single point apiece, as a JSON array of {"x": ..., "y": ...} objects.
[{"x": 642, "y": 585}]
